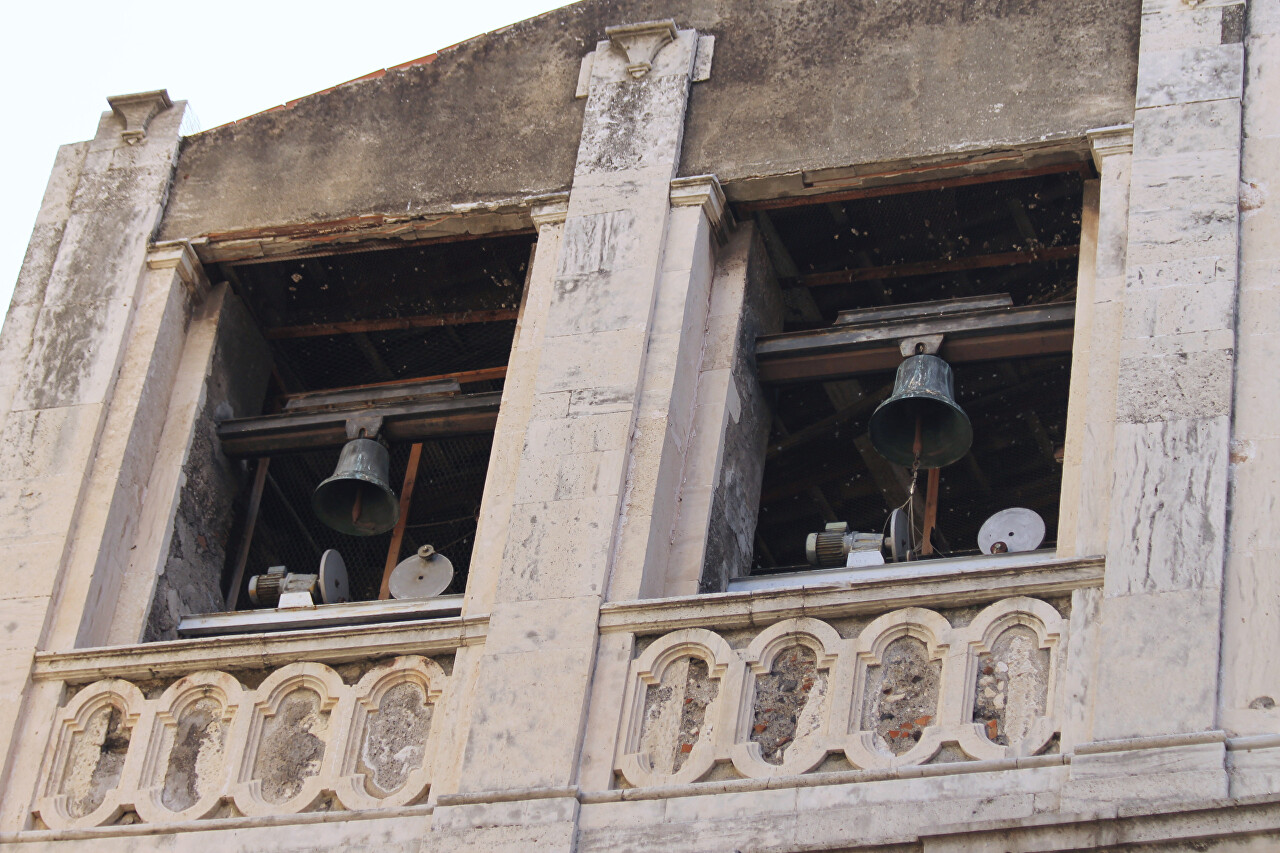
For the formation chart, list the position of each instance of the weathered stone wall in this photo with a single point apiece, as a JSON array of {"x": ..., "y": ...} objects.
[
  {"x": 730, "y": 533},
  {"x": 798, "y": 87},
  {"x": 190, "y": 580}
]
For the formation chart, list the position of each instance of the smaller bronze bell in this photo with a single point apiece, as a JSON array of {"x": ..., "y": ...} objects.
[
  {"x": 358, "y": 499},
  {"x": 923, "y": 394}
]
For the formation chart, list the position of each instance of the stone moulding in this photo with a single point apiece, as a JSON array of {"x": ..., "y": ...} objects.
[
  {"x": 834, "y": 724},
  {"x": 301, "y": 736}
]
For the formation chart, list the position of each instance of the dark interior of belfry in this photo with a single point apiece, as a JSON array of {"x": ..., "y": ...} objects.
[
  {"x": 360, "y": 319},
  {"x": 872, "y": 249},
  {"x": 375, "y": 317}
]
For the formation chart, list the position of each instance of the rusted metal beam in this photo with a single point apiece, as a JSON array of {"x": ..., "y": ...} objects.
[
  {"x": 976, "y": 262},
  {"x": 397, "y": 536},
  {"x": 917, "y": 186},
  {"x": 421, "y": 321},
  {"x": 291, "y": 432}
]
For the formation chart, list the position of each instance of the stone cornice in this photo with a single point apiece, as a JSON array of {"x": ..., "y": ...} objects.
[
  {"x": 254, "y": 651},
  {"x": 1108, "y": 141},
  {"x": 945, "y": 587}
]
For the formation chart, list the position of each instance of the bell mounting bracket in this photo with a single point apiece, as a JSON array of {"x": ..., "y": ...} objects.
[
  {"x": 364, "y": 426},
  {"x": 922, "y": 345}
]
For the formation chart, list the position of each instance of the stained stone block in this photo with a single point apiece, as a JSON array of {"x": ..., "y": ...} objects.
[
  {"x": 599, "y": 360},
  {"x": 1168, "y": 505},
  {"x": 1187, "y": 128},
  {"x": 1187, "y": 385},
  {"x": 1189, "y": 74}
]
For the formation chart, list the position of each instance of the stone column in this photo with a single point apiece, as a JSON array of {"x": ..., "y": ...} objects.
[
  {"x": 1155, "y": 709},
  {"x": 68, "y": 343},
  {"x": 609, "y": 344}
]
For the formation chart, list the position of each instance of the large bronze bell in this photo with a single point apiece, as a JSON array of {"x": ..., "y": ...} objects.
[
  {"x": 923, "y": 401},
  {"x": 358, "y": 499}
]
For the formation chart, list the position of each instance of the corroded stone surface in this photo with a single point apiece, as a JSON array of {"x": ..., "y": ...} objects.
[
  {"x": 902, "y": 695},
  {"x": 675, "y": 713},
  {"x": 790, "y": 703},
  {"x": 395, "y": 739},
  {"x": 1012, "y": 686},
  {"x": 292, "y": 747},
  {"x": 197, "y": 755},
  {"x": 96, "y": 761}
]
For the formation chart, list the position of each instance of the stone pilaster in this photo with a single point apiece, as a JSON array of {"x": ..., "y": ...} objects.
[
  {"x": 71, "y": 341},
  {"x": 614, "y": 312},
  {"x": 1161, "y": 610},
  {"x": 1250, "y": 703}
]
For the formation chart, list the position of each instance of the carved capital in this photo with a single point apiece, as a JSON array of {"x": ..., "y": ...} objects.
[
  {"x": 704, "y": 191},
  {"x": 137, "y": 110},
  {"x": 550, "y": 209},
  {"x": 1107, "y": 141},
  {"x": 641, "y": 43}
]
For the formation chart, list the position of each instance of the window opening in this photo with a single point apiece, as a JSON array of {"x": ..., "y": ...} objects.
[
  {"x": 870, "y": 256},
  {"x": 366, "y": 323}
]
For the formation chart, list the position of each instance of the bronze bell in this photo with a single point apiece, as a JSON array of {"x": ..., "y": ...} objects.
[
  {"x": 923, "y": 398},
  {"x": 358, "y": 499}
]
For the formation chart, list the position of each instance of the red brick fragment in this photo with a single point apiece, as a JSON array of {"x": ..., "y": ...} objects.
[
  {"x": 759, "y": 727},
  {"x": 923, "y": 721},
  {"x": 686, "y": 747}
]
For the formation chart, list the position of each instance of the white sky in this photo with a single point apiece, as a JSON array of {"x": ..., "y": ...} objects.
[{"x": 228, "y": 59}]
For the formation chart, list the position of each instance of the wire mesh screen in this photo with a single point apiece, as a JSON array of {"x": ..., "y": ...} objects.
[
  {"x": 1018, "y": 409},
  {"x": 443, "y": 512}
]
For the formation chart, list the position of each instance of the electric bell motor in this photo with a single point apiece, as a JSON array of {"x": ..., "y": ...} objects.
[
  {"x": 838, "y": 546},
  {"x": 279, "y": 587}
]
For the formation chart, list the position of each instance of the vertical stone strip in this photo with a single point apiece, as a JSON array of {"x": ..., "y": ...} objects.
[
  {"x": 1095, "y": 359},
  {"x": 1251, "y": 625},
  {"x": 597, "y": 334},
  {"x": 80, "y": 293},
  {"x": 1162, "y": 604}
]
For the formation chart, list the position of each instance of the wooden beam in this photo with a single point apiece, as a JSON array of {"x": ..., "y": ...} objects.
[
  {"x": 406, "y": 499},
  {"x": 291, "y": 432},
  {"x": 422, "y": 321},
  {"x": 930, "y": 513},
  {"x": 1080, "y": 166},
  {"x": 975, "y": 262},
  {"x": 250, "y": 522}
]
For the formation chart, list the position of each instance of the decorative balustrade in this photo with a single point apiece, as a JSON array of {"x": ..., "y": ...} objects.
[
  {"x": 908, "y": 684},
  {"x": 278, "y": 748}
]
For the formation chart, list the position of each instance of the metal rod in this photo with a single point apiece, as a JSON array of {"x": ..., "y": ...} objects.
[
  {"x": 251, "y": 521},
  {"x": 406, "y": 497},
  {"x": 930, "y": 512}
]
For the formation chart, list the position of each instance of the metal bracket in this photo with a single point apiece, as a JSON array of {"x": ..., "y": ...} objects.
[
  {"x": 925, "y": 344},
  {"x": 364, "y": 426}
]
